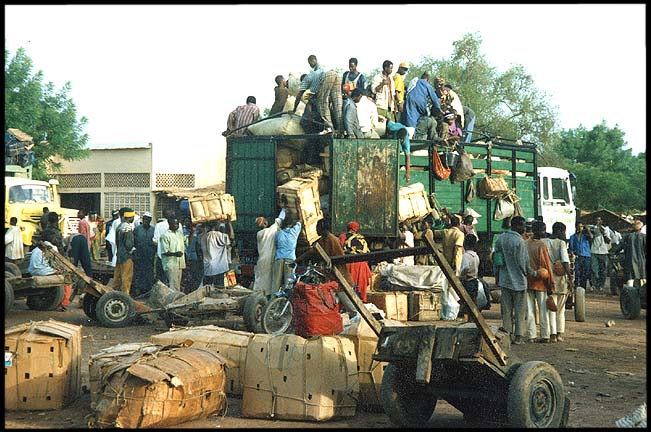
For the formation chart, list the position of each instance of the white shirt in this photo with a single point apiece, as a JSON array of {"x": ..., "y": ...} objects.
[
  {"x": 161, "y": 228},
  {"x": 385, "y": 94},
  {"x": 409, "y": 242},
  {"x": 456, "y": 105},
  {"x": 14, "y": 243},
  {"x": 599, "y": 245},
  {"x": 366, "y": 114},
  {"x": 38, "y": 265},
  {"x": 216, "y": 247},
  {"x": 266, "y": 238}
]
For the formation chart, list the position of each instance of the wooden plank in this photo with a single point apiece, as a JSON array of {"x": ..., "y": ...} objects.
[{"x": 92, "y": 286}]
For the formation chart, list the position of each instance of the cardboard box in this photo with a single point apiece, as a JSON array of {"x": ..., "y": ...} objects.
[
  {"x": 292, "y": 378},
  {"x": 42, "y": 365},
  {"x": 413, "y": 203},
  {"x": 393, "y": 303},
  {"x": 424, "y": 306},
  {"x": 212, "y": 208},
  {"x": 231, "y": 344},
  {"x": 303, "y": 204}
]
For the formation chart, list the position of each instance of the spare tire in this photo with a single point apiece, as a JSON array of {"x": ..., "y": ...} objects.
[
  {"x": 115, "y": 309},
  {"x": 13, "y": 268}
]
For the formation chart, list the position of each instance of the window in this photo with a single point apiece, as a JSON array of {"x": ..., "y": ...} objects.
[
  {"x": 545, "y": 191},
  {"x": 560, "y": 190},
  {"x": 30, "y": 193}
]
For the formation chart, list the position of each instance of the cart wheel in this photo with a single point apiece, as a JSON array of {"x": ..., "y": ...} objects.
[
  {"x": 50, "y": 300},
  {"x": 407, "y": 403},
  {"x": 629, "y": 302},
  {"x": 9, "y": 295},
  {"x": 115, "y": 309},
  {"x": 536, "y": 396},
  {"x": 579, "y": 304},
  {"x": 277, "y": 316},
  {"x": 252, "y": 311},
  {"x": 89, "y": 304},
  {"x": 13, "y": 268}
]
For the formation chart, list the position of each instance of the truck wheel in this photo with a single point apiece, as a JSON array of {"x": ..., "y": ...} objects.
[
  {"x": 89, "y": 305},
  {"x": 579, "y": 304},
  {"x": 13, "y": 268},
  {"x": 115, "y": 309},
  {"x": 407, "y": 403},
  {"x": 536, "y": 397},
  {"x": 9, "y": 295},
  {"x": 50, "y": 300},
  {"x": 252, "y": 311},
  {"x": 629, "y": 302}
]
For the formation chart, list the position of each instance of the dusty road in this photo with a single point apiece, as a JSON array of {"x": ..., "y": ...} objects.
[{"x": 603, "y": 370}]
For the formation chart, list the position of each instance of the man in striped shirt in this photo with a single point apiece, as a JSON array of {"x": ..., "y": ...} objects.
[{"x": 242, "y": 116}]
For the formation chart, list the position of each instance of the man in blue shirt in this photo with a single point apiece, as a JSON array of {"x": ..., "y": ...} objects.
[
  {"x": 580, "y": 246},
  {"x": 286, "y": 240},
  {"x": 400, "y": 131},
  {"x": 418, "y": 99}
]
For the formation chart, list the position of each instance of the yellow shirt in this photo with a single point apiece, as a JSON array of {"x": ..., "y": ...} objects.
[{"x": 399, "y": 83}]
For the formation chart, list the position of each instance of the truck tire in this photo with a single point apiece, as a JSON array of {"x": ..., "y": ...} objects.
[
  {"x": 579, "y": 304},
  {"x": 252, "y": 311},
  {"x": 536, "y": 397},
  {"x": 629, "y": 302},
  {"x": 50, "y": 300},
  {"x": 9, "y": 295},
  {"x": 115, "y": 309},
  {"x": 407, "y": 403},
  {"x": 89, "y": 304},
  {"x": 13, "y": 268}
]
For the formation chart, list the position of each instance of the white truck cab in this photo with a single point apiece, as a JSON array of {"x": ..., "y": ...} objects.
[{"x": 556, "y": 203}]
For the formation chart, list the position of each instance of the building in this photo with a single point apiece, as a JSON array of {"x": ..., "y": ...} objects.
[{"x": 115, "y": 176}]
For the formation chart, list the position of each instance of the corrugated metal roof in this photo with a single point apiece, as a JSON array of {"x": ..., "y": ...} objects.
[{"x": 116, "y": 146}]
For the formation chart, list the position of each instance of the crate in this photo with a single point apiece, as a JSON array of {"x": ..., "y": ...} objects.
[
  {"x": 42, "y": 365},
  {"x": 212, "y": 208},
  {"x": 393, "y": 303},
  {"x": 413, "y": 203},
  {"x": 424, "y": 306},
  {"x": 303, "y": 204}
]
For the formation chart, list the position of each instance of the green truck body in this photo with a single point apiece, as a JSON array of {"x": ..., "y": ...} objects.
[{"x": 362, "y": 179}]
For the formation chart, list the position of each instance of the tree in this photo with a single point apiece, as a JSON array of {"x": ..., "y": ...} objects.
[
  {"x": 43, "y": 112},
  {"x": 608, "y": 175}
]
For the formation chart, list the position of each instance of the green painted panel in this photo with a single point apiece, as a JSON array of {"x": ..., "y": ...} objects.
[
  {"x": 528, "y": 156},
  {"x": 417, "y": 176},
  {"x": 365, "y": 185}
]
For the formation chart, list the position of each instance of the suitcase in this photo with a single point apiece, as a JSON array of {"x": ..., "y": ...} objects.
[
  {"x": 424, "y": 306},
  {"x": 393, "y": 303},
  {"x": 316, "y": 309},
  {"x": 292, "y": 378}
]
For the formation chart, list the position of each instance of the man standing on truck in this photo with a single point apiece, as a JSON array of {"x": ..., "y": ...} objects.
[
  {"x": 286, "y": 240},
  {"x": 511, "y": 267},
  {"x": 366, "y": 113},
  {"x": 383, "y": 87},
  {"x": 281, "y": 93},
  {"x": 266, "y": 240},
  {"x": 399, "y": 82},
  {"x": 124, "y": 245},
  {"x": 418, "y": 100},
  {"x": 349, "y": 115},
  {"x": 14, "y": 248},
  {"x": 241, "y": 117}
]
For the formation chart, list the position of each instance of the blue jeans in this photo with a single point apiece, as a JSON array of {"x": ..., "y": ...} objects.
[{"x": 581, "y": 271}]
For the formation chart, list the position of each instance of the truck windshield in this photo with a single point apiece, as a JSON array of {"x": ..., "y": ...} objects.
[
  {"x": 560, "y": 190},
  {"x": 29, "y": 193}
]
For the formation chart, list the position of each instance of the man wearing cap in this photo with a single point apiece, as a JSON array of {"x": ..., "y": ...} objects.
[
  {"x": 399, "y": 82},
  {"x": 350, "y": 118},
  {"x": 634, "y": 246},
  {"x": 173, "y": 244},
  {"x": 418, "y": 100},
  {"x": 124, "y": 244},
  {"x": 143, "y": 257},
  {"x": 266, "y": 239}
]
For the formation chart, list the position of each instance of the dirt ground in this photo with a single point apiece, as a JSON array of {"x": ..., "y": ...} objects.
[{"x": 603, "y": 370}]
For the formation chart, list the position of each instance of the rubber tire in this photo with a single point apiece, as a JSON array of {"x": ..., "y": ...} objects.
[
  {"x": 13, "y": 268},
  {"x": 89, "y": 304},
  {"x": 49, "y": 301},
  {"x": 629, "y": 302},
  {"x": 9, "y": 296},
  {"x": 288, "y": 317},
  {"x": 402, "y": 402},
  {"x": 115, "y": 309},
  {"x": 252, "y": 311},
  {"x": 539, "y": 380},
  {"x": 579, "y": 304},
  {"x": 496, "y": 295}
]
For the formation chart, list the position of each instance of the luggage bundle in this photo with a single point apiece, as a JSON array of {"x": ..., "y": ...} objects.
[{"x": 316, "y": 309}]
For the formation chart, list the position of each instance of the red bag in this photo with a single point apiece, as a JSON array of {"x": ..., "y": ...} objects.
[
  {"x": 440, "y": 171},
  {"x": 316, "y": 309}
]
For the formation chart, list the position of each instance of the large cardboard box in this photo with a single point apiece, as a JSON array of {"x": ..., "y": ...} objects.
[
  {"x": 393, "y": 303},
  {"x": 167, "y": 387},
  {"x": 413, "y": 203},
  {"x": 42, "y": 365},
  {"x": 424, "y": 305},
  {"x": 292, "y": 378},
  {"x": 212, "y": 208},
  {"x": 231, "y": 344},
  {"x": 303, "y": 203}
]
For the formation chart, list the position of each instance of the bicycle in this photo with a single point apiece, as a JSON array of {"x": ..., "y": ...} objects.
[{"x": 278, "y": 314}]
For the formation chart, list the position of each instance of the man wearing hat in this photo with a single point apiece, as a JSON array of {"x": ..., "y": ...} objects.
[
  {"x": 634, "y": 246},
  {"x": 124, "y": 245},
  {"x": 266, "y": 239},
  {"x": 399, "y": 83},
  {"x": 143, "y": 257}
]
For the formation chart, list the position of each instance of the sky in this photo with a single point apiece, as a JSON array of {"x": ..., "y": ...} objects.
[{"x": 170, "y": 74}]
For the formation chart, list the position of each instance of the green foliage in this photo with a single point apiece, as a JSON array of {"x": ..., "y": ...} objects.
[
  {"x": 608, "y": 175},
  {"x": 46, "y": 114}
]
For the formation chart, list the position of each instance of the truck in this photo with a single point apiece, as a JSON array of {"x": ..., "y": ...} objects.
[{"x": 361, "y": 179}]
